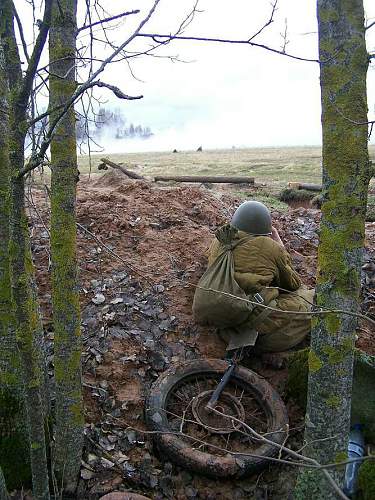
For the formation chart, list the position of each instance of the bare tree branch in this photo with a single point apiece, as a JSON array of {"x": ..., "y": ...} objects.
[
  {"x": 37, "y": 159},
  {"x": 118, "y": 93},
  {"x": 107, "y": 20},
  {"x": 20, "y": 31},
  {"x": 284, "y": 36},
  {"x": 304, "y": 461},
  {"x": 44, "y": 115},
  {"x": 290, "y": 452},
  {"x": 270, "y": 21},
  {"x": 156, "y": 38},
  {"x": 35, "y": 56}
]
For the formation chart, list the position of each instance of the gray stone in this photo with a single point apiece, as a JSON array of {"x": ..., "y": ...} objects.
[
  {"x": 156, "y": 417},
  {"x": 98, "y": 299}
]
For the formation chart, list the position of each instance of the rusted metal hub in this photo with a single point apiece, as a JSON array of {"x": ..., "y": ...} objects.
[{"x": 212, "y": 421}]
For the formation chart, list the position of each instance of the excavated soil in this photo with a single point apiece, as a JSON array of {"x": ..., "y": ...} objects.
[{"x": 141, "y": 247}]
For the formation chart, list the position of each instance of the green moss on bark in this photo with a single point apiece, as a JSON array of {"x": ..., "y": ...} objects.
[
  {"x": 65, "y": 298},
  {"x": 14, "y": 453},
  {"x": 333, "y": 401},
  {"x": 338, "y": 353},
  {"x": 346, "y": 169},
  {"x": 315, "y": 363},
  {"x": 363, "y": 406},
  {"x": 366, "y": 480},
  {"x": 341, "y": 457},
  {"x": 14, "y": 449}
]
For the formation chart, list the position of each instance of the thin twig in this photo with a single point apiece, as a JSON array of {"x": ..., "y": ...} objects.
[
  {"x": 354, "y": 122},
  {"x": 20, "y": 31},
  {"x": 270, "y": 21},
  {"x": 298, "y": 313},
  {"x": 247, "y": 454},
  {"x": 107, "y": 20},
  {"x": 293, "y": 453}
]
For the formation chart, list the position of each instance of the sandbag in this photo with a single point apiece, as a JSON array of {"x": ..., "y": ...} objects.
[{"x": 217, "y": 309}]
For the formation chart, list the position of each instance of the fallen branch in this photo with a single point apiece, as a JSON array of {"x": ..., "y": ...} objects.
[
  {"x": 307, "y": 187},
  {"x": 205, "y": 178},
  {"x": 108, "y": 163}
]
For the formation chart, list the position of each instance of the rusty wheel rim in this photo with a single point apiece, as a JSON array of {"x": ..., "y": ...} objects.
[
  {"x": 214, "y": 422},
  {"x": 210, "y": 432}
]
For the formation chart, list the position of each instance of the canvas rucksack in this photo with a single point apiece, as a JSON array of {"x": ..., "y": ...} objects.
[{"x": 210, "y": 307}]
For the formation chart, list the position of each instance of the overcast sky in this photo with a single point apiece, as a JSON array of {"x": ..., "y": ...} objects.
[
  {"x": 231, "y": 95},
  {"x": 226, "y": 95}
]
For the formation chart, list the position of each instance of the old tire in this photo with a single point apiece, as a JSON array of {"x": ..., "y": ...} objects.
[{"x": 181, "y": 451}]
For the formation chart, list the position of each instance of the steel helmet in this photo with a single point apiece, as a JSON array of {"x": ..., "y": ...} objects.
[{"x": 253, "y": 217}]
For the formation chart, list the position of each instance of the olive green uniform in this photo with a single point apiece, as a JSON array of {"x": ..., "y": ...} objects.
[{"x": 260, "y": 264}]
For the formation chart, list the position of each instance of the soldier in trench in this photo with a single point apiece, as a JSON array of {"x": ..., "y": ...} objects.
[{"x": 264, "y": 271}]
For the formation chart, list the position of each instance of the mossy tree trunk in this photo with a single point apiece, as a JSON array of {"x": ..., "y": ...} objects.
[
  {"x": 65, "y": 297},
  {"x": 8, "y": 353},
  {"x": 8, "y": 377},
  {"x": 26, "y": 313},
  {"x": 346, "y": 174},
  {"x": 13, "y": 435}
]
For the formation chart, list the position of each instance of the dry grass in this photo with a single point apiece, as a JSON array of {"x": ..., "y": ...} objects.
[{"x": 274, "y": 166}]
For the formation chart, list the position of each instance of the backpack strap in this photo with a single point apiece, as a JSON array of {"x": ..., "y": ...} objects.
[
  {"x": 226, "y": 235},
  {"x": 264, "y": 314}
]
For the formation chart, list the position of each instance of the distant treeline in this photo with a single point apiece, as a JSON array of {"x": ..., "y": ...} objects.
[{"x": 113, "y": 124}]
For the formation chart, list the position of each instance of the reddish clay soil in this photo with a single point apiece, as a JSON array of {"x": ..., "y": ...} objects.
[
  {"x": 161, "y": 235},
  {"x": 158, "y": 236}
]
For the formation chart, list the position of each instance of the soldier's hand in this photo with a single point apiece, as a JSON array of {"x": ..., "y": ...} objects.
[{"x": 276, "y": 237}]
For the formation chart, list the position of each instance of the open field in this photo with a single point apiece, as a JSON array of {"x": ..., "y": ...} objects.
[{"x": 273, "y": 166}]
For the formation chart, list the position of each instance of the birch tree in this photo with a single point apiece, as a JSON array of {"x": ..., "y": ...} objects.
[{"x": 346, "y": 175}]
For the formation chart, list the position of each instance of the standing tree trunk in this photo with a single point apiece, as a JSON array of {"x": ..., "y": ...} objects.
[
  {"x": 26, "y": 313},
  {"x": 346, "y": 175},
  {"x": 13, "y": 436},
  {"x": 65, "y": 297},
  {"x": 7, "y": 341}
]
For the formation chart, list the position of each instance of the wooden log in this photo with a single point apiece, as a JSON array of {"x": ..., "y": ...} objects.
[
  {"x": 124, "y": 170},
  {"x": 205, "y": 178},
  {"x": 306, "y": 186}
]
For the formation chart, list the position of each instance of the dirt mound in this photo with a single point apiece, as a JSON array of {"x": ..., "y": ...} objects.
[
  {"x": 112, "y": 178},
  {"x": 161, "y": 235},
  {"x": 140, "y": 249}
]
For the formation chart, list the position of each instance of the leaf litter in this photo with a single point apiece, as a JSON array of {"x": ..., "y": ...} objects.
[{"x": 136, "y": 321}]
